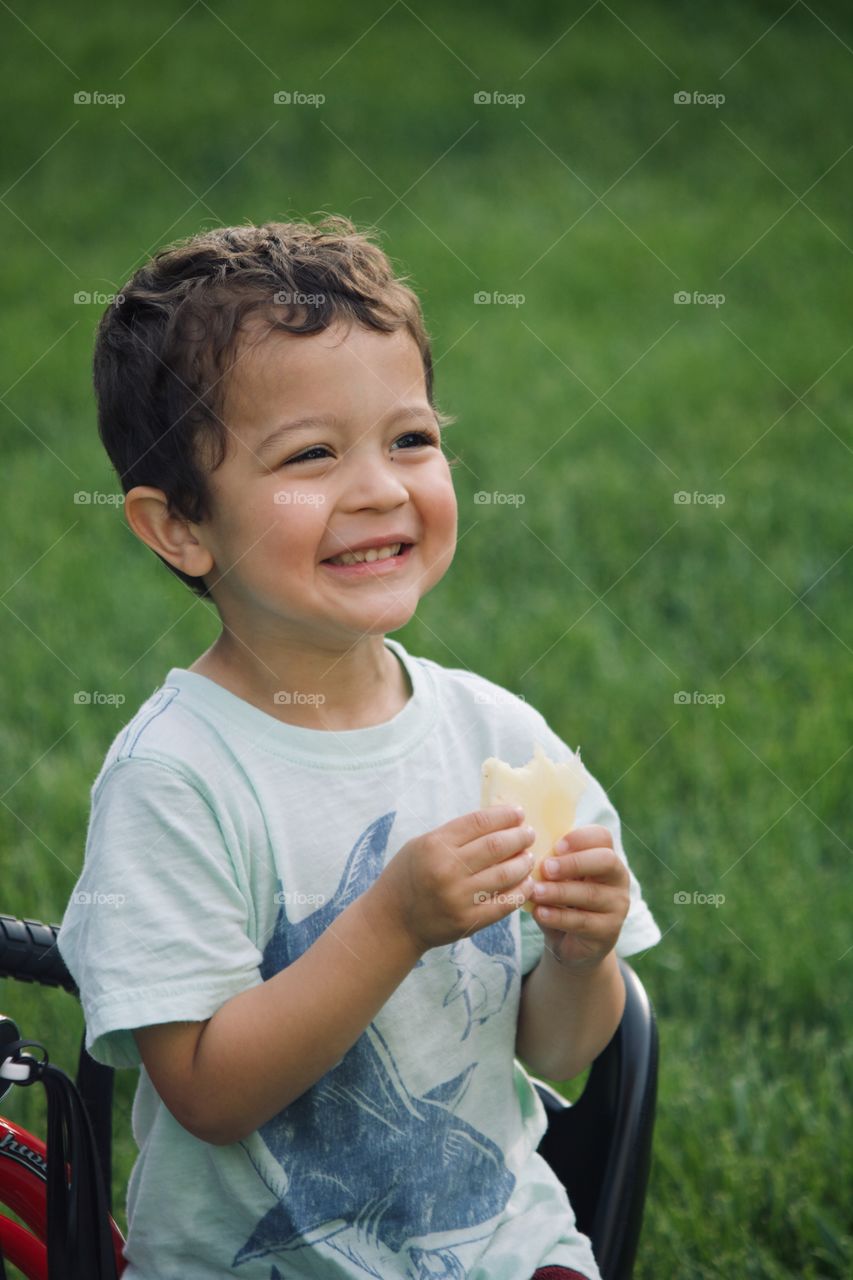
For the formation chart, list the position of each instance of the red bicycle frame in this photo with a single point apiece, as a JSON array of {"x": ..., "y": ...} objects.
[{"x": 23, "y": 1189}]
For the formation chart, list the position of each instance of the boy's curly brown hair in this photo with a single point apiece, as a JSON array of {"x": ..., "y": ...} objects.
[{"x": 165, "y": 344}]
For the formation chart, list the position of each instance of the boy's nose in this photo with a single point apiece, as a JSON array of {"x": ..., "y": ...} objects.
[{"x": 375, "y": 483}]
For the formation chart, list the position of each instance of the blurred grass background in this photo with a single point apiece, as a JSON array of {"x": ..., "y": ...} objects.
[{"x": 599, "y": 597}]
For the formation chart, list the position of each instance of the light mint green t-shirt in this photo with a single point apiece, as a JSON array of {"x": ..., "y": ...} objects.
[{"x": 221, "y": 843}]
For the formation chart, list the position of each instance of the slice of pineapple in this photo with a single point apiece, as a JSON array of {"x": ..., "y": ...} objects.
[{"x": 547, "y": 791}]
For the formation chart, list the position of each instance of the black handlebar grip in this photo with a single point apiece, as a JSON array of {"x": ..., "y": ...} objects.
[{"x": 28, "y": 952}]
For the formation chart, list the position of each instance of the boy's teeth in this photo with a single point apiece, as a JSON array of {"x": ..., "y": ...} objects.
[{"x": 356, "y": 557}]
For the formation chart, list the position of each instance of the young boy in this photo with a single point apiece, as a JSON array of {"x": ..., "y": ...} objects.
[{"x": 293, "y": 916}]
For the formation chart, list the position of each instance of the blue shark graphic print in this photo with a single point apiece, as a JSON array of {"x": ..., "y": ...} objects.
[
  {"x": 372, "y": 1169},
  {"x": 483, "y": 996}
]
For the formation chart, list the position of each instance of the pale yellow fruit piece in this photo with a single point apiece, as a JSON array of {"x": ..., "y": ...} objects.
[{"x": 547, "y": 791}]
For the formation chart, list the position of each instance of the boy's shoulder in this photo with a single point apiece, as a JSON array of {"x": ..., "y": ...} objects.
[
  {"x": 163, "y": 730},
  {"x": 507, "y": 715},
  {"x": 473, "y": 686}
]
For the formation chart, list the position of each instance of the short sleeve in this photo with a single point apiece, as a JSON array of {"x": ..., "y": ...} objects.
[
  {"x": 639, "y": 930},
  {"x": 156, "y": 929}
]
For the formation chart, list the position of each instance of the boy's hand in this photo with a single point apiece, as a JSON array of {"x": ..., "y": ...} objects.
[
  {"x": 586, "y": 899},
  {"x": 459, "y": 878}
]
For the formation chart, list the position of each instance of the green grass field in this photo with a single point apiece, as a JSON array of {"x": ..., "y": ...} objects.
[{"x": 599, "y": 597}]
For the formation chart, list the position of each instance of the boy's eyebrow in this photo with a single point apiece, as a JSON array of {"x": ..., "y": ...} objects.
[{"x": 330, "y": 420}]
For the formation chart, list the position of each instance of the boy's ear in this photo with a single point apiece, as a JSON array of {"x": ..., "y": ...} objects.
[{"x": 147, "y": 512}]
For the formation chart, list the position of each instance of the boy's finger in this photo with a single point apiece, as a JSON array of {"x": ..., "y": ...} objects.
[
  {"x": 498, "y": 826},
  {"x": 482, "y": 822},
  {"x": 581, "y": 895},
  {"x": 593, "y": 836},
  {"x": 601, "y": 864},
  {"x": 494, "y": 818}
]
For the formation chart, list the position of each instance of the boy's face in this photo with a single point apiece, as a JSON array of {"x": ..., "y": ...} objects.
[{"x": 366, "y": 477}]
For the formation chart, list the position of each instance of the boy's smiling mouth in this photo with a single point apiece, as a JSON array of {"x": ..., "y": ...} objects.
[
  {"x": 394, "y": 540},
  {"x": 380, "y": 557}
]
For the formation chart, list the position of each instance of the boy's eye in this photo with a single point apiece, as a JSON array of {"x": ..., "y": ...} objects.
[{"x": 428, "y": 436}]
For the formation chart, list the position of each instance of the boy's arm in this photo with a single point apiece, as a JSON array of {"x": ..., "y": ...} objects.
[
  {"x": 567, "y": 1016},
  {"x": 572, "y": 1002},
  {"x": 262, "y": 1049}
]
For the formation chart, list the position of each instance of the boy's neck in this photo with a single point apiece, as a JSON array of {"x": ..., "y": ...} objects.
[{"x": 354, "y": 689}]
